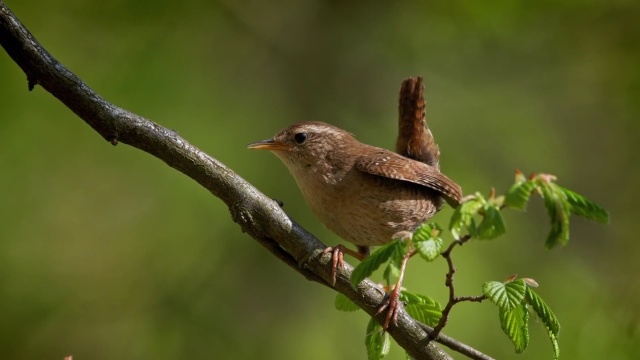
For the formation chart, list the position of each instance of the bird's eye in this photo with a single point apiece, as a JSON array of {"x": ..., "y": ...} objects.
[{"x": 300, "y": 137}]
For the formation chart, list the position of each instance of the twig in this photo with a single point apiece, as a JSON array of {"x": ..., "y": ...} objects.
[
  {"x": 452, "y": 293},
  {"x": 456, "y": 345}
]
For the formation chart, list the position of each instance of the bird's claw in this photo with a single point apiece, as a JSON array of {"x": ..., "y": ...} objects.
[
  {"x": 392, "y": 304},
  {"x": 337, "y": 260}
]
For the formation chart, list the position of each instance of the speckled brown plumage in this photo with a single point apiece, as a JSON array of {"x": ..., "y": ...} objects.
[{"x": 362, "y": 193}]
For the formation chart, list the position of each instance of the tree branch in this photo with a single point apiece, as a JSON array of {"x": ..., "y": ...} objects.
[{"x": 257, "y": 215}]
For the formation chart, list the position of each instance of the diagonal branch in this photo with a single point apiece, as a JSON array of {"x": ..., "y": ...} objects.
[{"x": 257, "y": 215}]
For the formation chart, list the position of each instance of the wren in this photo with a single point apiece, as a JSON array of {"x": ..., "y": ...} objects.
[
  {"x": 365, "y": 194},
  {"x": 362, "y": 193}
]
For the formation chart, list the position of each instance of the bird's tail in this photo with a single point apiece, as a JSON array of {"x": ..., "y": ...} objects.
[{"x": 415, "y": 140}]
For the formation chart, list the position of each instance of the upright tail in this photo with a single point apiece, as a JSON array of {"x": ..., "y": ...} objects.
[{"x": 415, "y": 140}]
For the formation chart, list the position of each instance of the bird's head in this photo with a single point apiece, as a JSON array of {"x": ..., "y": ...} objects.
[{"x": 306, "y": 144}]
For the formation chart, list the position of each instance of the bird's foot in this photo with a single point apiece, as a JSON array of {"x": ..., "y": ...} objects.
[
  {"x": 391, "y": 304},
  {"x": 337, "y": 258}
]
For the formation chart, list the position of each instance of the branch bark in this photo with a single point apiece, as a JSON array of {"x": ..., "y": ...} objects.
[{"x": 257, "y": 215}]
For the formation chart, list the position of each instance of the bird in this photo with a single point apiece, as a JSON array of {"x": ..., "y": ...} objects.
[{"x": 366, "y": 194}]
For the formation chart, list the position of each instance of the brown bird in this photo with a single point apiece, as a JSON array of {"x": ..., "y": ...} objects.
[{"x": 362, "y": 193}]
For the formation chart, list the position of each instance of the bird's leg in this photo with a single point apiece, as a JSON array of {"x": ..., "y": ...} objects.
[
  {"x": 363, "y": 252},
  {"x": 337, "y": 257},
  {"x": 391, "y": 302}
]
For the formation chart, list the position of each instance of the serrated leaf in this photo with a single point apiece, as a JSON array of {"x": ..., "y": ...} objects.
[
  {"x": 558, "y": 209},
  {"x": 506, "y": 296},
  {"x": 427, "y": 242},
  {"x": 424, "y": 313},
  {"x": 343, "y": 303},
  {"x": 429, "y": 249},
  {"x": 544, "y": 312},
  {"x": 421, "y": 307},
  {"x": 581, "y": 206},
  {"x": 463, "y": 217},
  {"x": 518, "y": 195},
  {"x": 515, "y": 323},
  {"x": 409, "y": 297},
  {"x": 376, "y": 341},
  {"x": 492, "y": 224},
  {"x": 377, "y": 258},
  {"x": 427, "y": 231},
  {"x": 554, "y": 344}
]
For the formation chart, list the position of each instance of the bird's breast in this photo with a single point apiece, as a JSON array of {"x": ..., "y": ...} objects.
[{"x": 365, "y": 209}]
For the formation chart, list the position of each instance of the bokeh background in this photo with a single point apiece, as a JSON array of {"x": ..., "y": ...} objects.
[{"x": 107, "y": 253}]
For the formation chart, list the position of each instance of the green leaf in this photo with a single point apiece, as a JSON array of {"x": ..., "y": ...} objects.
[
  {"x": 427, "y": 242},
  {"x": 426, "y": 231},
  {"x": 544, "y": 312},
  {"x": 506, "y": 296},
  {"x": 558, "y": 209},
  {"x": 377, "y": 342},
  {"x": 462, "y": 217},
  {"x": 554, "y": 344},
  {"x": 424, "y": 313},
  {"x": 409, "y": 297},
  {"x": 377, "y": 258},
  {"x": 518, "y": 196},
  {"x": 343, "y": 303},
  {"x": 391, "y": 271},
  {"x": 547, "y": 317},
  {"x": 515, "y": 323},
  {"x": 581, "y": 206},
  {"x": 421, "y": 307},
  {"x": 492, "y": 224},
  {"x": 429, "y": 249}
]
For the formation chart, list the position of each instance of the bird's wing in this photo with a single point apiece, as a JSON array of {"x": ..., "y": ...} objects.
[{"x": 388, "y": 164}]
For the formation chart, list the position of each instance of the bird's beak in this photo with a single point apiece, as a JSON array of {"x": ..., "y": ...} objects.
[{"x": 270, "y": 144}]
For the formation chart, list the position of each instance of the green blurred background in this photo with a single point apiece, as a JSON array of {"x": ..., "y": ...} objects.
[{"x": 107, "y": 253}]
